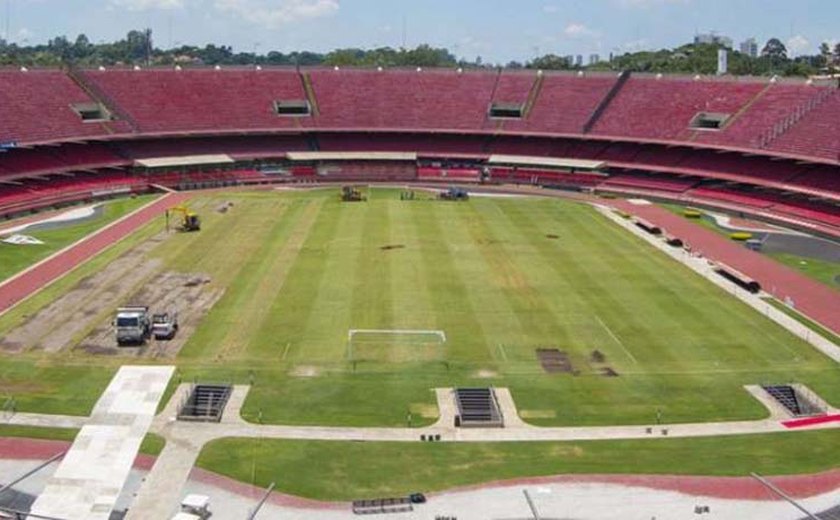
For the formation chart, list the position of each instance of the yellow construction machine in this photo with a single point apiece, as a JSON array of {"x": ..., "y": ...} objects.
[{"x": 190, "y": 221}]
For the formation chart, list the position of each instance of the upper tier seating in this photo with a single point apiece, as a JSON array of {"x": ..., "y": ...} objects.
[
  {"x": 664, "y": 108},
  {"x": 514, "y": 87},
  {"x": 433, "y": 99},
  {"x": 817, "y": 134},
  {"x": 564, "y": 103},
  {"x": 166, "y": 100},
  {"x": 772, "y": 104},
  {"x": 36, "y": 106}
]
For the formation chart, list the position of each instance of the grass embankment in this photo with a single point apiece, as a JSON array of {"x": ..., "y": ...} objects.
[{"x": 327, "y": 470}]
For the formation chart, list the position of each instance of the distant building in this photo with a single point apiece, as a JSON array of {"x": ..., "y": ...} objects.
[
  {"x": 570, "y": 60},
  {"x": 749, "y": 47},
  {"x": 711, "y": 38},
  {"x": 579, "y": 60},
  {"x": 593, "y": 59}
]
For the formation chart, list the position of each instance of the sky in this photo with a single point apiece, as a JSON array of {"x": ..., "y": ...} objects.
[{"x": 498, "y": 31}]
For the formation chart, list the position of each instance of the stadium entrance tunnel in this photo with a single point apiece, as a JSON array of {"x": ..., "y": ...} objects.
[
  {"x": 478, "y": 408},
  {"x": 797, "y": 400},
  {"x": 205, "y": 402}
]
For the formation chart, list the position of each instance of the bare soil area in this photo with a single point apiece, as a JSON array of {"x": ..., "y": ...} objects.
[
  {"x": 82, "y": 318},
  {"x": 187, "y": 294}
]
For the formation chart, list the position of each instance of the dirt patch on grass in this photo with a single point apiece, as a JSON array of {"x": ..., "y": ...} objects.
[
  {"x": 305, "y": 371},
  {"x": 391, "y": 247},
  {"x": 55, "y": 326},
  {"x": 537, "y": 414},
  {"x": 555, "y": 361},
  {"x": 552, "y": 236},
  {"x": 486, "y": 374},
  {"x": 424, "y": 410},
  {"x": 187, "y": 294}
]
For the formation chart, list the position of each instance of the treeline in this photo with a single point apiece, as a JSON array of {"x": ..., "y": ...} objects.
[{"x": 138, "y": 48}]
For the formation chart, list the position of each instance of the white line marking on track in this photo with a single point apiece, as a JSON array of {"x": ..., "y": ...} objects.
[{"x": 615, "y": 338}]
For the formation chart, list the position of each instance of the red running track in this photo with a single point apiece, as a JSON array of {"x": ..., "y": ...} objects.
[
  {"x": 28, "y": 282},
  {"x": 811, "y": 421},
  {"x": 812, "y": 298}
]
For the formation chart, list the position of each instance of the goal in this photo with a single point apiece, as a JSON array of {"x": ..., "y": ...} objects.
[{"x": 395, "y": 345}]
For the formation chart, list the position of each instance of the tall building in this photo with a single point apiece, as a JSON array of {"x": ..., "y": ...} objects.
[
  {"x": 713, "y": 38},
  {"x": 749, "y": 47},
  {"x": 593, "y": 59},
  {"x": 579, "y": 60}
]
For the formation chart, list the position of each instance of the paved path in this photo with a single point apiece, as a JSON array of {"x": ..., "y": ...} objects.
[
  {"x": 37, "y": 277},
  {"x": 93, "y": 472}
]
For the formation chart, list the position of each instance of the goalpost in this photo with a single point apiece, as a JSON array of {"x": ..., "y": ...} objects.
[{"x": 395, "y": 345}]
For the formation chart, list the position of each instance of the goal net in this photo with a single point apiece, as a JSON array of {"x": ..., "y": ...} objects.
[{"x": 395, "y": 345}]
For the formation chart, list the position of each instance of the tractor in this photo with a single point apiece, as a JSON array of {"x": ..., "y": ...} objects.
[{"x": 351, "y": 194}]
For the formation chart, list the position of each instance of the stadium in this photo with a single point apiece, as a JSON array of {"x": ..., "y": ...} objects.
[{"x": 418, "y": 293}]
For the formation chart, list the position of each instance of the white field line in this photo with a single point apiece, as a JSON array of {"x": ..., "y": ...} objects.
[
  {"x": 439, "y": 333},
  {"x": 503, "y": 352},
  {"x": 701, "y": 266},
  {"x": 615, "y": 338},
  {"x": 286, "y": 350}
]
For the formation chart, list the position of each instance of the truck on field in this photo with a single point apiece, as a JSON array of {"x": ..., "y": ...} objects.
[
  {"x": 164, "y": 325},
  {"x": 132, "y": 325}
]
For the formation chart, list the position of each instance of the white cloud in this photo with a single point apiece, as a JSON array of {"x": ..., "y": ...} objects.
[
  {"x": 273, "y": 14},
  {"x": 797, "y": 45},
  {"x": 146, "y": 5},
  {"x": 633, "y": 46},
  {"x": 579, "y": 30}
]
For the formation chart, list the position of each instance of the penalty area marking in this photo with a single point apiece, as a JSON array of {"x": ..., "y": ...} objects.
[
  {"x": 615, "y": 338},
  {"x": 439, "y": 333}
]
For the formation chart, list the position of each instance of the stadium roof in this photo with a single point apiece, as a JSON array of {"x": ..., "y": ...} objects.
[
  {"x": 187, "y": 160},
  {"x": 352, "y": 156},
  {"x": 552, "y": 162}
]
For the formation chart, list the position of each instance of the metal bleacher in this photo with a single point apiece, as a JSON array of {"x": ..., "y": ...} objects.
[{"x": 478, "y": 408}]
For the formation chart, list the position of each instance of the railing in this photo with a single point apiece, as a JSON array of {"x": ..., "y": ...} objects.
[{"x": 787, "y": 122}]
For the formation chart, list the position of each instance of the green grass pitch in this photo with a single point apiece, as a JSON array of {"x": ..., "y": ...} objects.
[{"x": 500, "y": 276}]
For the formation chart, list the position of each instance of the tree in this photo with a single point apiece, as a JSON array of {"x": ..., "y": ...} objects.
[
  {"x": 549, "y": 62},
  {"x": 774, "y": 49}
]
